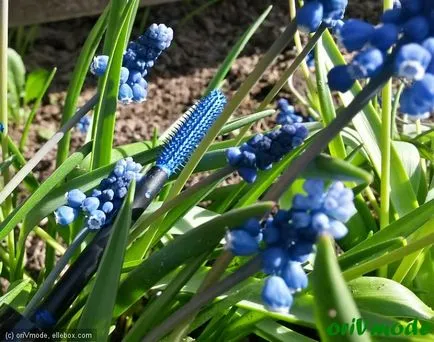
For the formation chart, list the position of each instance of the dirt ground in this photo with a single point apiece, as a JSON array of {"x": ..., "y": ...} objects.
[{"x": 181, "y": 74}]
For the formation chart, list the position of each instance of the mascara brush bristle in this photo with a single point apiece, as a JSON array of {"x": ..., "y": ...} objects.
[{"x": 182, "y": 142}]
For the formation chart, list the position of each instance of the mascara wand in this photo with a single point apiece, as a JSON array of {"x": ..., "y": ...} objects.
[{"x": 178, "y": 148}]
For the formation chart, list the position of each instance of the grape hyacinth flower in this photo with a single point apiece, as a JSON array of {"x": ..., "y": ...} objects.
[
  {"x": 315, "y": 12},
  {"x": 405, "y": 38},
  {"x": 2, "y": 127},
  {"x": 287, "y": 114},
  {"x": 261, "y": 151},
  {"x": 139, "y": 58},
  {"x": 102, "y": 205},
  {"x": 287, "y": 239},
  {"x": 84, "y": 124},
  {"x": 310, "y": 60}
]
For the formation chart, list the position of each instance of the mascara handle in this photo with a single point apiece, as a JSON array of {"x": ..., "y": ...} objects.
[
  {"x": 12, "y": 323},
  {"x": 81, "y": 271}
]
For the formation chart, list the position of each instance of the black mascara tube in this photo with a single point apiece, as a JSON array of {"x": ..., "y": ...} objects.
[{"x": 81, "y": 271}]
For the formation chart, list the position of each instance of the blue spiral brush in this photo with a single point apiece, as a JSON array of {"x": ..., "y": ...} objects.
[
  {"x": 179, "y": 146},
  {"x": 190, "y": 132}
]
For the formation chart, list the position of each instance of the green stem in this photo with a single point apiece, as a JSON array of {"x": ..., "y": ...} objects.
[
  {"x": 386, "y": 129},
  {"x": 49, "y": 240},
  {"x": 301, "y": 99},
  {"x": 4, "y": 256},
  {"x": 326, "y": 105},
  {"x": 372, "y": 200},
  {"x": 395, "y": 109},
  {"x": 4, "y": 7},
  {"x": 386, "y": 146},
  {"x": 408, "y": 262}
]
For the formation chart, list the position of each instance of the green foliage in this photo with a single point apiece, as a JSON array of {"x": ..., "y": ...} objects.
[
  {"x": 24, "y": 88},
  {"x": 97, "y": 313}
]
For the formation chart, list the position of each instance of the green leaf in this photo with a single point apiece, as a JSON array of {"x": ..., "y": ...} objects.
[
  {"x": 17, "y": 294},
  {"x": 425, "y": 279},
  {"x": 176, "y": 210},
  {"x": 105, "y": 111},
  {"x": 40, "y": 92},
  {"x": 347, "y": 260},
  {"x": 16, "y": 76},
  {"x": 37, "y": 197},
  {"x": 333, "y": 301},
  {"x": 404, "y": 227},
  {"x": 360, "y": 269},
  {"x": 368, "y": 126},
  {"x": 78, "y": 77},
  {"x": 235, "y": 52},
  {"x": 194, "y": 218},
  {"x": 246, "y": 120},
  {"x": 272, "y": 331},
  {"x": 388, "y": 298},
  {"x": 410, "y": 158},
  {"x": 35, "y": 84},
  {"x": 97, "y": 313},
  {"x": 156, "y": 309},
  {"x": 190, "y": 245},
  {"x": 327, "y": 107},
  {"x": 328, "y": 168}
]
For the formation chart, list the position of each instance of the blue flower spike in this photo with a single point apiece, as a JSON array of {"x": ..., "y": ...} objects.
[
  {"x": 288, "y": 238},
  {"x": 355, "y": 34},
  {"x": 261, "y": 151},
  {"x": 90, "y": 204},
  {"x": 101, "y": 207},
  {"x": 276, "y": 295},
  {"x": 65, "y": 215},
  {"x": 75, "y": 198},
  {"x": 287, "y": 114},
  {"x": 310, "y": 16},
  {"x": 366, "y": 64},
  {"x": 411, "y": 61},
  {"x": 99, "y": 65},
  {"x": 96, "y": 219},
  {"x": 240, "y": 242},
  {"x": 139, "y": 58},
  {"x": 340, "y": 78},
  {"x": 316, "y": 12},
  {"x": 84, "y": 124},
  {"x": 405, "y": 38}
]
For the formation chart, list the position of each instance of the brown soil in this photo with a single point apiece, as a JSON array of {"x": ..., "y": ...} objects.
[{"x": 180, "y": 76}]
